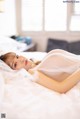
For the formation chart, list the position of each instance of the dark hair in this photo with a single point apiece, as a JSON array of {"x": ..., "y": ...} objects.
[{"x": 5, "y": 56}]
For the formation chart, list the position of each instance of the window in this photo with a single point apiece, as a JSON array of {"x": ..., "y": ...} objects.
[
  {"x": 75, "y": 18},
  {"x": 32, "y": 15},
  {"x": 55, "y": 15},
  {"x": 44, "y": 15},
  {"x": 50, "y": 15},
  {"x": 76, "y": 9}
]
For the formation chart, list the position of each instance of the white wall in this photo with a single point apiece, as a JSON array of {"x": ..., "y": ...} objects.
[{"x": 8, "y": 19}]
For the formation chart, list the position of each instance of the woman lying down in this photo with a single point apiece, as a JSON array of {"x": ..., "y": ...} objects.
[{"x": 58, "y": 71}]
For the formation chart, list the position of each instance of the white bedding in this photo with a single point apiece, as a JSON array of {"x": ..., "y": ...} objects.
[
  {"x": 7, "y": 44},
  {"x": 20, "y": 98}
]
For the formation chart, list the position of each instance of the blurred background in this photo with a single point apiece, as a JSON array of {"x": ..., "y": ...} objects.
[{"x": 42, "y": 24}]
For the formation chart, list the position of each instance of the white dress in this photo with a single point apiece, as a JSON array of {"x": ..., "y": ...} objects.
[{"x": 59, "y": 64}]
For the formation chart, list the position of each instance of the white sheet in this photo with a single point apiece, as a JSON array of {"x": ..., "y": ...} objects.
[{"x": 23, "y": 99}]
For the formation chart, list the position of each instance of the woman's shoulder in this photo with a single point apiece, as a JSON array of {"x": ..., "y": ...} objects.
[{"x": 61, "y": 53}]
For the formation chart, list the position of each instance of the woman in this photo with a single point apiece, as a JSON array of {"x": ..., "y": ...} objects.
[{"x": 58, "y": 71}]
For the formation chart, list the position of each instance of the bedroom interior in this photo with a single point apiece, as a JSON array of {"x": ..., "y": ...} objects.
[{"x": 32, "y": 28}]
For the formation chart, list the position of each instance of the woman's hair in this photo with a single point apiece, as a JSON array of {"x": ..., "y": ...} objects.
[{"x": 5, "y": 56}]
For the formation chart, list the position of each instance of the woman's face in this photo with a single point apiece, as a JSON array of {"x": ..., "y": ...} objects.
[{"x": 17, "y": 62}]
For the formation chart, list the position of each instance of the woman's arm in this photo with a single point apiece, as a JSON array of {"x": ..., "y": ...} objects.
[{"x": 61, "y": 87}]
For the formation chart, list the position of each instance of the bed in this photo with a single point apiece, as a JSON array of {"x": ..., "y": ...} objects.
[{"x": 20, "y": 98}]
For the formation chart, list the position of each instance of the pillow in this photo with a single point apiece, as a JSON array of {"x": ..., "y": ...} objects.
[
  {"x": 74, "y": 47},
  {"x": 9, "y": 74},
  {"x": 4, "y": 66},
  {"x": 8, "y": 44},
  {"x": 56, "y": 44}
]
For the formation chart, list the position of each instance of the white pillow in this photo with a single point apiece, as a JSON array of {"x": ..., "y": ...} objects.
[
  {"x": 4, "y": 66},
  {"x": 8, "y": 44}
]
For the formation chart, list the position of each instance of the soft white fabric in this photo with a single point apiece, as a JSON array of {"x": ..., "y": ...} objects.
[
  {"x": 1, "y": 87},
  {"x": 59, "y": 64},
  {"x": 8, "y": 44},
  {"x": 4, "y": 66},
  {"x": 24, "y": 99}
]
